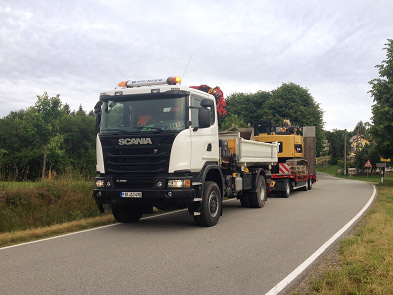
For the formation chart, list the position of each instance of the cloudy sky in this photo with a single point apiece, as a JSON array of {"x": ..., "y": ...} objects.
[{"x": 79, "y": 48}]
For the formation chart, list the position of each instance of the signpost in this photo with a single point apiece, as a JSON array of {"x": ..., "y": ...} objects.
[{"x": 368, "y": 166}]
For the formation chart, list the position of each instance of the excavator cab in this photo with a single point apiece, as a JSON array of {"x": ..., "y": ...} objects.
[{"x": 289, "y": 137}]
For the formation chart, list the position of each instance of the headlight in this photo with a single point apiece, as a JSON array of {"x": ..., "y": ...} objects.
[
  {"x": 179, "y": 183},
  {"x": 100, "y": 183}
]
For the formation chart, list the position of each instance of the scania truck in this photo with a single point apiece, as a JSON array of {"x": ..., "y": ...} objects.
[{"x": 158, "y": 145}]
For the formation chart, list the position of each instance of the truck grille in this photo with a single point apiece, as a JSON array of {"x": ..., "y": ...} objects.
[{"x": 137, "y": 160}]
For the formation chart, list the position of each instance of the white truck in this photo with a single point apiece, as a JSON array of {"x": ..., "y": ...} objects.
[{"x": 158, "y": 145}]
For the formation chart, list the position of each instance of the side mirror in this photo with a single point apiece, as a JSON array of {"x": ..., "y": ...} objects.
[
  {"x": 97, "y": 122},
  {"x": 204, "y": 117},
  {"x": 207, "y": 103},
  {"x": 97, "y": 113}
]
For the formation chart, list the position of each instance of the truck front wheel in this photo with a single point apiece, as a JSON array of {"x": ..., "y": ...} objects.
[
  {"x": 126, "y": 214},
  {"x": 258, "y": 198},
  {"x": 210, "y": 209}
]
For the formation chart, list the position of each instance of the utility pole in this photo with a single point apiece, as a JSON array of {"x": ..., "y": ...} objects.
[{"x": 345, "y": 152}]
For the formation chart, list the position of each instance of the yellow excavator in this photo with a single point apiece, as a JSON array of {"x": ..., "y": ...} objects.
[{"x": 296, "y": 156}]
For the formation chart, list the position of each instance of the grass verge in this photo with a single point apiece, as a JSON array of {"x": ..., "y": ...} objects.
[
  {"x": 27, "y": 205},
  {"x": 332, "y": 170},
  {"x": 12, "y": 238},
  {"x": 365, "y": 259}
]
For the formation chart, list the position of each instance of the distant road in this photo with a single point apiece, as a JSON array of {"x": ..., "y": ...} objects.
[{"x": 248, "y": 252}]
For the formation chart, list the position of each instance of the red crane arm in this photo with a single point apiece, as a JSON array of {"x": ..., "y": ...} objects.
[{"x": 218, "y": 94}]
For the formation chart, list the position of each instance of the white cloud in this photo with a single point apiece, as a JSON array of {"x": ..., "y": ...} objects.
[{"x": 79, "y": 48}]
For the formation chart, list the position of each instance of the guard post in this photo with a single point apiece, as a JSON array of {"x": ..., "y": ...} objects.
[{"x": 382, "y": 166}]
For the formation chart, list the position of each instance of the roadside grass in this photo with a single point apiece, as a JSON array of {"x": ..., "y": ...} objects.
[
  {"x": 332, "y": 170},
  {"x": 366, "y": 258},
  {"x": 17, "y": 237},
  {"x": 36, "y": 210},
  {"x": 40, "y": 204}
]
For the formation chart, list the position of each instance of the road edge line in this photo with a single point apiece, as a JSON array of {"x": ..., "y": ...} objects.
[
  {"x": 288, "y": 279},
  {"x": 90, "y": 229}
]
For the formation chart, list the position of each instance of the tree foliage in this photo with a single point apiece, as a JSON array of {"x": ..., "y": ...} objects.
[
  {"x": 231, "y": 120},
  {"x": 368, "y": 152},
  {"x": 289, "y": 101},
  {"x": 382, "y": 110},
  {"x": 336, "y": 142},
  {"x": 49, "y": 135},
  {"x": 44, "y": 122}
]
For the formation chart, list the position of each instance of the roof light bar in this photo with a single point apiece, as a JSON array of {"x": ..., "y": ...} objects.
[{"x": 149, "y": 82}]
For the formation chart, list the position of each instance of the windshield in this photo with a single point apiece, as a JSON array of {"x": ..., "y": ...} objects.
[{"x": 147, "y": 113}]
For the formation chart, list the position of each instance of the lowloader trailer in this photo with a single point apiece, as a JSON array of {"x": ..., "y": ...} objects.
[{"x": 296, "y": 167}]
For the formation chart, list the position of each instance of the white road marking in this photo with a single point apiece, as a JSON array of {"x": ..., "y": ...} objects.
[
  {"x": 82, "y": 231},
  {"x": 91, "y": 229},
  {"x": 287, "y": 280}
]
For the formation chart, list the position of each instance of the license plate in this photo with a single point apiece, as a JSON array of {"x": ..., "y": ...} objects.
[{"x": 135, "y": 195}]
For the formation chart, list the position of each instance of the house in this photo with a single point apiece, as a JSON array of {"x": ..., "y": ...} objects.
[{"x": 357, "y": 142}]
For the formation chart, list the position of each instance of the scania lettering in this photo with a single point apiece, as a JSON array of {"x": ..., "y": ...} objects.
[
  {"x": 158, "y": 145},
  {"x": 131, "y": 141}
]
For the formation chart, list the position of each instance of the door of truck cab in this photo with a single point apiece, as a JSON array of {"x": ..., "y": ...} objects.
[{"x": 204, "y": 147}]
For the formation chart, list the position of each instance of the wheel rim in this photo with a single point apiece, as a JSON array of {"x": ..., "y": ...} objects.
[
  {"x": 261, "y": 192},
  {"x": 213, "y": 204}
]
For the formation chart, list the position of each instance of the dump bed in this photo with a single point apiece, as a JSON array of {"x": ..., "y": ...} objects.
[{"x": 250, "y": 152}]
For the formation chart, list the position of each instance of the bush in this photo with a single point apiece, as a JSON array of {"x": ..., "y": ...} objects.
[
  {"x": 333, "y": 161},
  {"x": 45, "y": 204},
  {"x": 340, "y": 163}
]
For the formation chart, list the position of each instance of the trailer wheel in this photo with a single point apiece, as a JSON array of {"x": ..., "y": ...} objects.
[
  {"x": 257, "y": 199},
  {"x": 126, "y": 214},
  {"x": 211, "y": 205},
  {"x": 309, "y": 183},
  {"x": 305, "y": 187},
  {"x": 287, "y": 191}
]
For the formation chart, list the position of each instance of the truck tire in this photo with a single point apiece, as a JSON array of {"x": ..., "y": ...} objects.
[
  {"x": 211, "y": 205},
  {"x": 287, "y": 191},
  {"x": 126, "y": 214},
  {"x": 245, "y": 200},
  {"x": 309, "y": 183},
  {"x": 258, "y": 199},
  {"x": 305, "y": 187}
]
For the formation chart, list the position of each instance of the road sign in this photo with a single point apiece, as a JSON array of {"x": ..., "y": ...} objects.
[
  {"x": 368, "y": 164},
  {"x": 381, "y": 165},
  {"x": 385, "y": 160}
]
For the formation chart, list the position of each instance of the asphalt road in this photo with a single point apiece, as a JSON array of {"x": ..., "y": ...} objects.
[{"x": 248, "y": 252}]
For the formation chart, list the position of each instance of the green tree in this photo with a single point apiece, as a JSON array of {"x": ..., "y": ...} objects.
[
  {"x": 231, "y": 120},
  {"x": 44, "y": 119},
  {"x": 17, "y": 140},
  {"x": 249, "y": 107},
  {"x": 289, "y": 101},
  {"x": 336, "y": 142},
  {"x": 368, "y": 152},
  {"x": 382, "y": 110},
  {"x": 70, "y": 145},
  {"x": 79, "y": 136}
]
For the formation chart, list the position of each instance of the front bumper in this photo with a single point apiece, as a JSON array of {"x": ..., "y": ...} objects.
[{"x": 115, "y": 194}]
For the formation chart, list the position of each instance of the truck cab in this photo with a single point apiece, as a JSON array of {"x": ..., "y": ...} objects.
[{"x": 154, "y": 144}]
